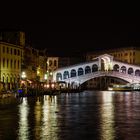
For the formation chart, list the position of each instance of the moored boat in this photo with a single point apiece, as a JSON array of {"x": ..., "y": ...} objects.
[{"x": 117, "y": 87}]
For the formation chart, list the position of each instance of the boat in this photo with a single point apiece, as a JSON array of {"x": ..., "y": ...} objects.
[{"x": 118, "y": 87}]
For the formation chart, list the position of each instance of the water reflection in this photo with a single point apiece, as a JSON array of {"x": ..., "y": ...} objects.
[
  {"x": 127, "y": 115},
  {"x": 38, "y": 117},
  {"x": 107, "y": 116},
  {"x": 23, "y": 133},
  {"x": 75, "y": 116},
  {"x": 49, "y": 119}
]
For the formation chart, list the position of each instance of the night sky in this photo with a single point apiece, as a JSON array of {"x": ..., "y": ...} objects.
[{"x": 74, "y": 35}]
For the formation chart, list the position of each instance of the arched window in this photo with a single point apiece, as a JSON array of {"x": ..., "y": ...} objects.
[
  {"x": 73, "y": 73},
  {"x": 94, "y": 68},
  {"x": 130, "y": 70},
  {"x": 87, "y": 69},
  {"x": 80, "y": 71},
  {"x": 137, "y": 72},
  {"x": 58, "y": 76},
  {"x": 55, "y": 63},
  {"x": 6, "y": 79},
  {"x": 3, "y": 79},
  {"x": 116, "y": 67},
  {"x": 50, "y": 62},
  {"x": 11, "y": 79},
  {"x": 14, "y": 80},
  {"x": 65, "y": 75},
  {"x": 123, "y": 69}
]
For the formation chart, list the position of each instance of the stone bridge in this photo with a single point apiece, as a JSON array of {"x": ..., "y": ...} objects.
[{"x": 103, "y": 65}]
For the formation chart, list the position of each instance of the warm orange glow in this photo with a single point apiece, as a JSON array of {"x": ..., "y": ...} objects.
[
  {"x": 48, "y": 85},
  {"x": 52, "y": 85}
]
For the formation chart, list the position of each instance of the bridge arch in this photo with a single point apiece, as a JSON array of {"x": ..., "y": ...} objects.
[
  {"x": 73, "y": 73},
  {"x": 65, "y": 75},
  {"x": 116, "y": 67},
  {"x": 59, "y": 77},
  {"x": 80, "y": 71},
  {"x": 137, "y": 72},
  {"x": 130, "y": 70},
  {"x": 87, "y": 69},
  {"x": 123, "y": 69},
  {"x": 94, "y": 68}
]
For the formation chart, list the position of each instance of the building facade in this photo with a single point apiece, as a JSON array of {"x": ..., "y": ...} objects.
[
  {"x": 42, "y": 67},
  {"x": 52, "y": 65},
  {"x": 11, "y": 58},
  {"x": 31, "y": 62},
  {"x": 129, "y": 55}
]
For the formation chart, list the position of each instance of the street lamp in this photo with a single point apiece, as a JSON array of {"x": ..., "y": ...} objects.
[
  {"x": 45, "y": 76},
  {"x": 23, "y": 75}
]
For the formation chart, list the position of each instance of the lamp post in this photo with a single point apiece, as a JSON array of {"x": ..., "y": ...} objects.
[{"x": 23, "y": 76}]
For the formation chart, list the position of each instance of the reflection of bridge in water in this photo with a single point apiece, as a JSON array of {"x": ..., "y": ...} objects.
[{"x": 103, "y": 65}]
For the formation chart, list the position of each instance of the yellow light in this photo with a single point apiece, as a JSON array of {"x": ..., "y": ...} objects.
[
  {"x": 38, "y": 72},
  {"x": 48, "y": 85},
  {"x": 52, "y": 85},
  {"x": 23, "y": 75},
  {"x": 45, "y": 76}
]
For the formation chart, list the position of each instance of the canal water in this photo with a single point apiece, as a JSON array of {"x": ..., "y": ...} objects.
[{"x": 89, "y": 115}]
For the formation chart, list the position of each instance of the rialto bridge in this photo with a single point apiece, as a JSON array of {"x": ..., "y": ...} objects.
[{"x": 103, "y": 65}]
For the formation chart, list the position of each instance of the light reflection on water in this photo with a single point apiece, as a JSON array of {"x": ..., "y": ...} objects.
[
  {"x": 107, "y": 116},
  {"x": 23, "y": 133},
  {"x": 49, "y": 119},
  {"x": 90, "y": 115}
]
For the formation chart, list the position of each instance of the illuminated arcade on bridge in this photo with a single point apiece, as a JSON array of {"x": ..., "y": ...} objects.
[{"x": 103, "y": 65}]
